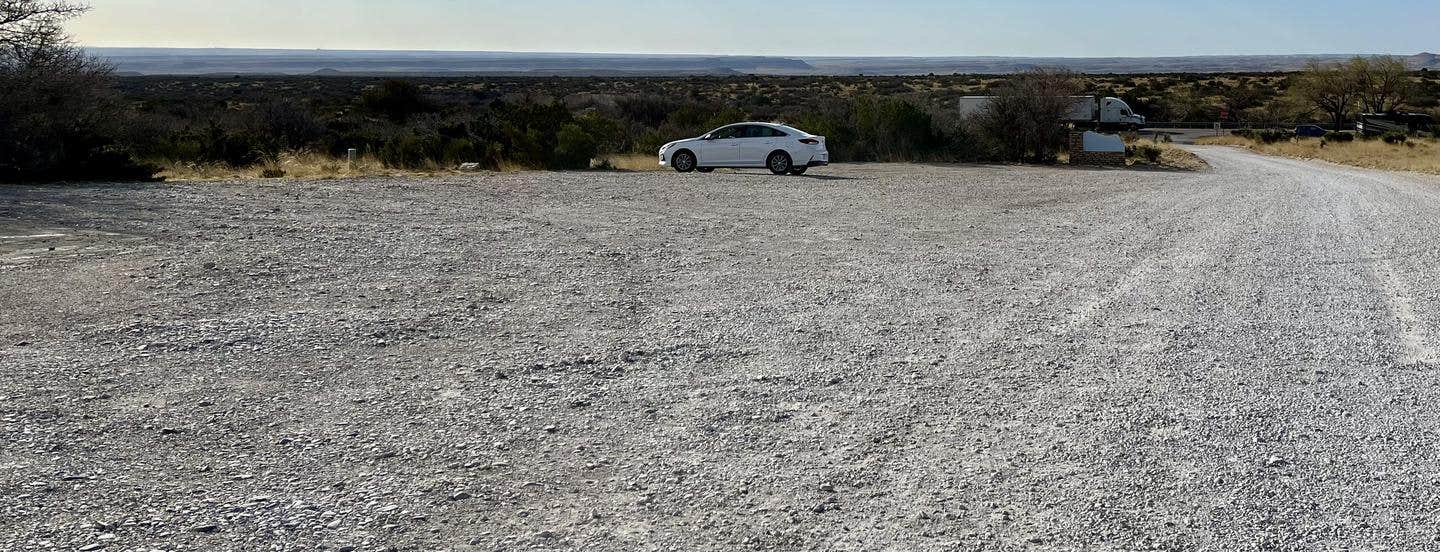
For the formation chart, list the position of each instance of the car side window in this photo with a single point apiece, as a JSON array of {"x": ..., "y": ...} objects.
[
  {"x": 756, "y": 131},
  {"x": 728, "y": 132}
]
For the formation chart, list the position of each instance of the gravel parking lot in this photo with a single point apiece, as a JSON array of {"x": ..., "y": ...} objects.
[{"x": 879, "y": 357}]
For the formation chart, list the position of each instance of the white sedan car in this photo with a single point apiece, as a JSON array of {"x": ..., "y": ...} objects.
[{"x": 782, "y": 149}]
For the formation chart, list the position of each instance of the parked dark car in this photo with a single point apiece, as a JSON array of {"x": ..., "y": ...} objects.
[{"x": 1309, "y": 131}]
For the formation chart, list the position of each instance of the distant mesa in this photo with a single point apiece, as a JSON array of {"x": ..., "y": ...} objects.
[{"x": 743, "y": 63}]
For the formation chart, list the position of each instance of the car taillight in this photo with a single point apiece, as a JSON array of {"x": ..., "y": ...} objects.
[{"x": 809, "y": 141}]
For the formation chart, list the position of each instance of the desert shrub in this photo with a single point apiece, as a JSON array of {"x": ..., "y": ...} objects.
[
  {"x": 651, "y": 141},
  {"x": 409, "y": 150},
  {"x": 215, "y": 143},
  {"x": 1333, "y": 136},
  {"x": 835, "y": 122},
  {"x": 892, "y": 129},
  {"x": 1267, "y": 135},
  {"x": 1394, "y": 137},
  {"x": 648, "y": 110},
  {"x": 528, "y": 131},
  {"x": 574, "y": 148},
  {"x": 1271, "y": 136},
  {"x": 233, "y": 147},
  {"x": 610, "y": 135},
  {"x": 289, "y": 125},
  {"x": 459, "y": 150},
  {"x": 397, "y": 100},
  {"x": 272, "y": 172},
  {"x": 347, "y": 132},
  {"x": 490, "y": 155},
  {"x": 1149, "y": 152}
]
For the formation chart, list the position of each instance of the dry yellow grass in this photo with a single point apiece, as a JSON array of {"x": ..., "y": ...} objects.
[
  {"x": 312, "y": 166},
  {"x": 1175, "y": 157},
  {"x": 295, "y": 166},
  {"x": 1226, "y": 140},
  {"x": 634, "y": 162},
  {"x": 1419, "y": 155},
  {"x": 1171, "y": 156}
]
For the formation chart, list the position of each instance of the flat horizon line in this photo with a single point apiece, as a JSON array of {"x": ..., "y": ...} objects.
[{"x": 736, "y": 55}]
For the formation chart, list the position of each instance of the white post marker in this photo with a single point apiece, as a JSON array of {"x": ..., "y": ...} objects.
[{"x": 350, "y": 156}]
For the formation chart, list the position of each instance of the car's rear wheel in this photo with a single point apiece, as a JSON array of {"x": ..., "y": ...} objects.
[
  {"x": 705, "y": 169},
  {"x": 683, "y": 161},
  {"x": 779, "y": 162},
  {"x": 797, "y": 171}
]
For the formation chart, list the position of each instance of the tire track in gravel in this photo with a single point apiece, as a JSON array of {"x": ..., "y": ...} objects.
[
  {"x": 1160, "y": 243},
  {"x": 1372, "y": 203},
  {"x": 1415, "y": 336},
  {"x": 1332, "y": 345},
  {"x": 1217, "y": 479}
]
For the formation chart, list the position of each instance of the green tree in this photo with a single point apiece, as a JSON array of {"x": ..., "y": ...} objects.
[{"x": 1331, "y": 88}]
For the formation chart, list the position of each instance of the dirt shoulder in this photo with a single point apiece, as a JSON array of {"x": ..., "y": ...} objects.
[{"x": 1416, "y": 155}]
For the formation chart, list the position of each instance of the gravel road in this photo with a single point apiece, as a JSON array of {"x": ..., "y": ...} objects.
[{"x": 882, "y": 357}]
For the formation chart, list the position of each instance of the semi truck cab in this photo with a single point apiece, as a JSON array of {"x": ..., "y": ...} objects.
[{"x": 1115, "y": 113}]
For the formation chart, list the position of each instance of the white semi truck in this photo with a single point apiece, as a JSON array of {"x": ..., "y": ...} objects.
[{"x": 1088, "y": 111}]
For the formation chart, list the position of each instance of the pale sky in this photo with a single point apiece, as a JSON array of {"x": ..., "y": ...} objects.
[{"x": 807, "y": 28}]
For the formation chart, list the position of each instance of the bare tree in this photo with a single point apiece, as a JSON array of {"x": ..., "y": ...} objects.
[
  {"x": 1331, "y": 88},
  {"x": 1025, "y": 121},
  {"x": 24, "y": 24},
  {"x": 58, "y": 116},
  {"x": 1382, "y": 82}
]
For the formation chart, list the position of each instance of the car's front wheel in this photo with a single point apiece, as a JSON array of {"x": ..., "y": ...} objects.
[
  {"x": 779, "y": 163},
  {"x": 683, "y": 161}
]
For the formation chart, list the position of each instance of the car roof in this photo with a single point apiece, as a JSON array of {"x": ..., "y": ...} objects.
[{"x": 778, "y": 126}]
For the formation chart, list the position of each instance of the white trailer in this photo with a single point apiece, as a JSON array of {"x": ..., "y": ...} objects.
[{"x": 1086, "y": 111}]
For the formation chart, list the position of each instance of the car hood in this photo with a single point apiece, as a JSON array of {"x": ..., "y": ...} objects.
[{"x": 672, "y": 145}]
